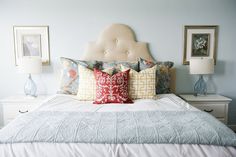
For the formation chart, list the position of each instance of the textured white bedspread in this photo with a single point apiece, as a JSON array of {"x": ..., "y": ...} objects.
[{"x": 68, "y": 103}]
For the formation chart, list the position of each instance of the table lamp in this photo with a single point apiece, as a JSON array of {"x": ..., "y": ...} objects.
[
  {"x": 201, "y": 66},
  {"x": 30, "y": 65}
]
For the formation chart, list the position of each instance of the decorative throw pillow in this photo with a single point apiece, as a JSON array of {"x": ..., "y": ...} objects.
[
  {"x": 163, "y": 74},
  {"x": 69, "y": 74},
  {"x": 116, "y": 65},
  {"x": 111, "y": 88},
  {"x": 144, "y": 64},
  {"x": 87, "y": 83},
  {"x": 142, "y": 85}
]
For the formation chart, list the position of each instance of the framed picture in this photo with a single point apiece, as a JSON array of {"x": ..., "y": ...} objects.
[
  {"x": 200, "y": 42},
  {"x": 31, "y": 41}
]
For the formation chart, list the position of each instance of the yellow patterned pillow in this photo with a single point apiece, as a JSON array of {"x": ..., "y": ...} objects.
[
  {"x": 142, "y": 85},
  {"x": 87, "y": 83}
]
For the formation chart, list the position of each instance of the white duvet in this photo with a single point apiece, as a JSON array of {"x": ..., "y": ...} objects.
[{"x": 69, "y": 103}]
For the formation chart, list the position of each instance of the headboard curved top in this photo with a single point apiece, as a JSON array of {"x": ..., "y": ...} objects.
[{"x": 116, "y": 43}]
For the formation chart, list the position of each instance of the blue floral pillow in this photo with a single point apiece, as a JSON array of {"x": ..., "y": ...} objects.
[
  {"x": 69, "y": 74},
  {"x": 163, "y": 74},
  {"x": 116, "y": 65}
]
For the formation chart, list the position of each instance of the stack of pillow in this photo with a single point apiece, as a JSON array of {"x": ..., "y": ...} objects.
[{"x": 114, "y": 82}]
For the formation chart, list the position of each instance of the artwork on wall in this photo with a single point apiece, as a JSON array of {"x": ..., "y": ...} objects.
[
  {"x": 31, "y": 41},
  {"x": 200, "y": 42}
]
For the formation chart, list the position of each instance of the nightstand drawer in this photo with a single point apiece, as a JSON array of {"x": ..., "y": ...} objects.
[
  {"x": 217, "y": 110},
  {"x": 18, "y": 105},
  {"x": 11, "y": 111},
  {"x": 216, "y": 105}
]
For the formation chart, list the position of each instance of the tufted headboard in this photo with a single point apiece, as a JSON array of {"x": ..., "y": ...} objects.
[{"x": 117, "y": 43}]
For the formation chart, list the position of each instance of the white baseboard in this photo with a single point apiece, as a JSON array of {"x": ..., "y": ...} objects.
[{"x": 233, "y": 127}]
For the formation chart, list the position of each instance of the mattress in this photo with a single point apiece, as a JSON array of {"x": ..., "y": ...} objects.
[{"x": 64, "y": 103}]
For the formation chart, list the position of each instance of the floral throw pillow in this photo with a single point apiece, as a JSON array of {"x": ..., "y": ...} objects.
[
  {"x": 162, "y": 73},
  {"x": 117, "y": 65},
  {"x": 112, "y": 88},
  {"x": 69, "y": 74}
]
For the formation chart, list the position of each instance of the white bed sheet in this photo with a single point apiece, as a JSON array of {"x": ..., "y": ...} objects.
[{"x": 70, "y": 103}]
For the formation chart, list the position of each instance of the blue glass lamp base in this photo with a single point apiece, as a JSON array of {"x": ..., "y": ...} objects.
[
  {"x": 30, "y": 87},
  {"x": 200, "y": 87}
]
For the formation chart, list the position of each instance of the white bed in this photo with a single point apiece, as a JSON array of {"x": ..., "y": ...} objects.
[
  {"x": 116, "y": 42},
  {"x": 166, "y": 102}
]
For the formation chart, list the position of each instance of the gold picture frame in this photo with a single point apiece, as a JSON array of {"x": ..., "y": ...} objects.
[
  {"x": 31, "y": 41},
  {"x": 200, "y": 41}
]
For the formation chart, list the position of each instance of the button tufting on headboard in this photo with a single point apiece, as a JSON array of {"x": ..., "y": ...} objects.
[{"x": 119, "y": 43}]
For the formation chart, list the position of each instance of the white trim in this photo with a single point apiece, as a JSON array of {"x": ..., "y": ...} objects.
[{"x": 233, "y": 127}]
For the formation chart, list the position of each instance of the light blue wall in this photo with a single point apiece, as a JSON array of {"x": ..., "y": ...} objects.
[{"x": 74, "y": 22}]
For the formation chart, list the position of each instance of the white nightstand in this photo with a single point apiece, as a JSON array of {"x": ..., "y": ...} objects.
[
  {"x": 216, "y": 105},
  {"x": 16, "y": 105}
]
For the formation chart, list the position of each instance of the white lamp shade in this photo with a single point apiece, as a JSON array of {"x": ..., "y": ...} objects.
[
  {"x": 201, "y": 66},
  {"x": 30, "y": 65}
]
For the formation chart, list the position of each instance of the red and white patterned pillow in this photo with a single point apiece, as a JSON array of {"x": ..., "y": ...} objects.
[{"x": 112, "y": 89}]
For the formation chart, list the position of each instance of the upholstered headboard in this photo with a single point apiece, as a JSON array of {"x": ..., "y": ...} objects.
[{"x": 117, "y": 43}]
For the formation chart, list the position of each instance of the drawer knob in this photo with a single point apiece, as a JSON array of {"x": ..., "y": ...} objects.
[
  {"x": 23, "y": 111},
  {"x": 209, "y": 111}
]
